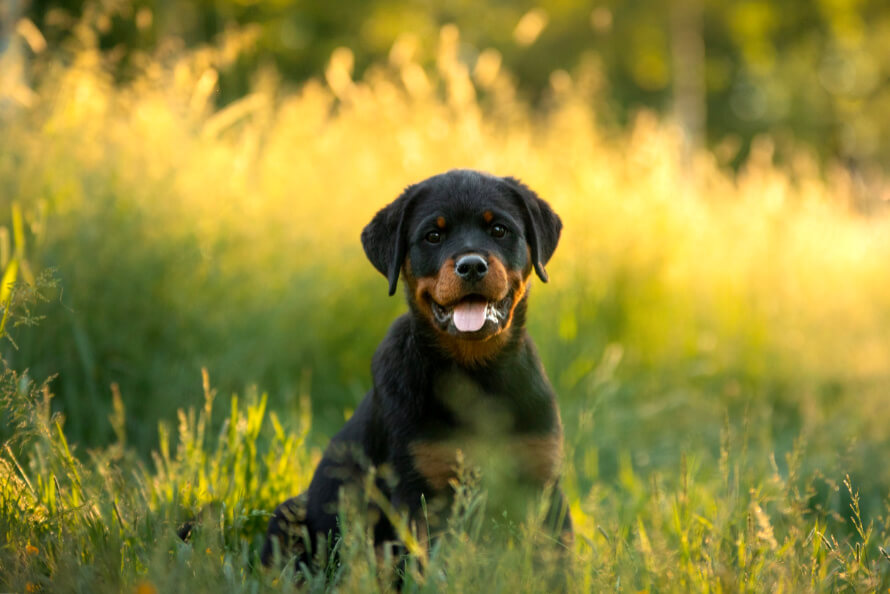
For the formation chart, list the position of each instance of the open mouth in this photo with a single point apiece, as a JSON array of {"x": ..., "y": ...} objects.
[{"x": 473, "y": 316}]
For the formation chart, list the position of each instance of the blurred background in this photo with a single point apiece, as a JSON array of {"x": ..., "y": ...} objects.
[
  {"x": 806, "y": 73},
  {"x": 196, "y": 175}
]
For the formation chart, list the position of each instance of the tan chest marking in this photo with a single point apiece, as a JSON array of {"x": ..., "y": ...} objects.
[
  {"x": 436, "y": 461},
  {"x": 537, "y": 458}
]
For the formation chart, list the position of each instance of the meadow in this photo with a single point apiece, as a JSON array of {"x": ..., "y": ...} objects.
[{"x": 193, "y": 317}]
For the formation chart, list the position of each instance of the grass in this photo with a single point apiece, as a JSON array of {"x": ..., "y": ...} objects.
[
  {"x": 108, "y": 522},
  {"x": 718, "y": 339}
]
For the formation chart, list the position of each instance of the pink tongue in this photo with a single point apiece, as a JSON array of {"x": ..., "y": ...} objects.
[{"x": 469, "y": 316}]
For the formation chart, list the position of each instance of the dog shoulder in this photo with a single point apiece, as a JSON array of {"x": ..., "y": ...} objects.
[{"x": 395, "y": 347}]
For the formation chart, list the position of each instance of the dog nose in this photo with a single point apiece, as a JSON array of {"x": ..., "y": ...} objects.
[{"x": 471, "y": 267}]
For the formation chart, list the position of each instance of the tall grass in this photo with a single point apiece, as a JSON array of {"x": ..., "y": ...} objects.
[
  {"x": 108, "y": 522},
  {"x": 719, "y": 340}
]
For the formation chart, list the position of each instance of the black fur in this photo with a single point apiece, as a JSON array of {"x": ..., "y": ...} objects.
[
  {"x": 420, "y": 393},
  {"x": 542, "y": 223}
]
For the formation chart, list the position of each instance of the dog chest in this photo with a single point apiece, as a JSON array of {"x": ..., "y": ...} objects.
[
  {"x": 472, "y": 427},
  {"x": 508, "y": 460}
]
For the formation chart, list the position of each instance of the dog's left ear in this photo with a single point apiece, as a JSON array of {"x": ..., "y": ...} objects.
[
  {"x": 384, "y": 237},
  {"x": 542, "y": 225}
]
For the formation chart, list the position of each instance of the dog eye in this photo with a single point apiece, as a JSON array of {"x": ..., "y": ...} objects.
[
  {"x": 498, "y": 231},
  {"x": 434, "y": 237}
]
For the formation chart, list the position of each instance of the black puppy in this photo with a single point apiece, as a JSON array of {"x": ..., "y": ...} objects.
[{"x": 458, "y": 372}]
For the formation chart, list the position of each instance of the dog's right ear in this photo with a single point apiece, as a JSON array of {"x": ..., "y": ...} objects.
[{"x": 384, "y": 238}]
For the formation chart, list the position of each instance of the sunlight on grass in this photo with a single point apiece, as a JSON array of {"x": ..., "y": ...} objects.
[{"x": 719, "y": 341}]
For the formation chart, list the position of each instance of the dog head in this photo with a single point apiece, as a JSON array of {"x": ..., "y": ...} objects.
[{"x": 466, "y": 243}]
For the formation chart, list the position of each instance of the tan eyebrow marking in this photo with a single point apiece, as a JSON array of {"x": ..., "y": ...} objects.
[
  {"x": 440, "y": 222},
  {"x": 487, "y": 216}
]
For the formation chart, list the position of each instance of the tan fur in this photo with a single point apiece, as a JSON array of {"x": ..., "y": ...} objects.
[
  {"x": 474, "y": 352},
  {"x": 446, "y": 288},
  {"x": 487, "y": 216},
  {"x": 538, "y": 458},
  {"x": 440, "y": 222},
  {"x": 415, "y": 291},
  {"x": 436, "y": 461}
]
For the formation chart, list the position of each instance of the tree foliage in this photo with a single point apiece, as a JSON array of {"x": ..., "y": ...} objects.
[{"x": 816, "y": 73}]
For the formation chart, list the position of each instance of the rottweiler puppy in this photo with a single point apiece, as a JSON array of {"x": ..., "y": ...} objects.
[{"x": 458, "y": 372}]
